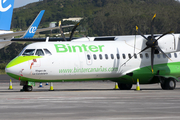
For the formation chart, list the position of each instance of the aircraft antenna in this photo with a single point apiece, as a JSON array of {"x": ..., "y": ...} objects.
[{"x": 47, "y": 39}]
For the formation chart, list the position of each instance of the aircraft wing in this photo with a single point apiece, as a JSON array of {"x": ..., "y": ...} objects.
[
  {"x": 62, "y": 39},
  {"x": 52, "y": 28},
  {"x": 10, "y": 35}
]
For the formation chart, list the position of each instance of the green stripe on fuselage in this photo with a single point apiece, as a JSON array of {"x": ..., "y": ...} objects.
[
  {"x": 143, "y": 74},
  {"x": 21, "y": 59}
]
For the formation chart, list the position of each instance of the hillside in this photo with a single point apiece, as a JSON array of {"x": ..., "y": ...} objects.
[{"x": 105, "y": 17}]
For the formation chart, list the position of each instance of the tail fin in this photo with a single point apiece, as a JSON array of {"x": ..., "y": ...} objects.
[
  {"x": 6, "y": 11},
  {"x": 32, "y": 29}
]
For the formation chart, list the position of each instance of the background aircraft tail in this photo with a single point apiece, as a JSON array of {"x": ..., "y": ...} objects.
[
  {"x": 33, "y": 27},
  {"x": 6, "y": 11}
]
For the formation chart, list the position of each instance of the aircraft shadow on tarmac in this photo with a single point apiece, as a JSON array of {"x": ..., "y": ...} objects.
[
  {"x": 86, "y": 90},
  {"x": 143, "y": 89}
]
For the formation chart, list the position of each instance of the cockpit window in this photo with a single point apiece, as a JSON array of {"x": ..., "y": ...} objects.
[
  {"x": 29, "y": 52},
  {"x": 21, "y": 52},
  {"x": 47, "y": 52},
  {"x": 39, "y": 52}
]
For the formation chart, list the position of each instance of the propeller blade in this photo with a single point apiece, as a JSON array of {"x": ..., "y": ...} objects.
[
  {"x": 140, "y": 33},
  {"x": 144, "y": 49},
  {"x": 162, "y": 52},
  {"x": 72, "y": 32},
  {"x": 62, "y": 34},
  {"x": 134, "y": 54},
  {"x": 152, "y": 27},
  {"x": 152, "y": 58},
  {"x": 165, "y": 34},
  {"x": 127, "y": 60}
]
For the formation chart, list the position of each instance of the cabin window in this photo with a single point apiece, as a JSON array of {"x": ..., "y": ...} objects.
[
  {"x": 124, "y": 56},
  {"x": 164, "y": 56},
  {"x": 39, "y": 52},
  {"x": 129, "y": 55},
  {"x": 158, "y": 56},
  {"x": 112, "y": 56},
  {"x": 88, "y": 57},
  {"x": 94, "y": 57},
  {"x": 117, "y": 55},
  {"x": 100, "y": 57},
  {"x": 29, "y": 52},
  {"x": 141, "y": 56},
  {"x": 175, "y": 55},
  {"x": 169, "y": 55},
  {"x": 106, "y": 56},
  {"x": 47, "y": 52},
  {"x": 135, "y": 56},
  {"x": 147, "y": 55}
]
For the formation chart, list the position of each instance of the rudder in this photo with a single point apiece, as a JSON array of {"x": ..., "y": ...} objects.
[{"x": 6, "y": 11}]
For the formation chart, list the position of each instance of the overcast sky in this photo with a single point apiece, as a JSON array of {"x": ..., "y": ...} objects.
[{"x": 19, "y": 3}]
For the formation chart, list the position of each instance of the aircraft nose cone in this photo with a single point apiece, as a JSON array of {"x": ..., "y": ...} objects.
[
  {"x": 9, "y": 70},
  {"x": 12, "y": 69}
]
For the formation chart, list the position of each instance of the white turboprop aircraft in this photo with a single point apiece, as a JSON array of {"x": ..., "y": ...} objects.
[
  {"x": 6, "y": 10},
  {"x": 122, "y": 59}
]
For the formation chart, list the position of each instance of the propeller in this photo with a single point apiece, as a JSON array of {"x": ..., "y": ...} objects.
[
  {"x": 72, "y": 32},
  {"x": 152, "y": 42},
  {"x": 62, "y": 34}
]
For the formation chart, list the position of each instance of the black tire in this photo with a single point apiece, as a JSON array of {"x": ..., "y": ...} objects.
[
  {"x": 163, "y": 85},
  {"x": 27, "y": 88},
  {"x": 168, "y": 84},
  {"x": 124, "y": 86},
  {"x": 171, "y": 84}
]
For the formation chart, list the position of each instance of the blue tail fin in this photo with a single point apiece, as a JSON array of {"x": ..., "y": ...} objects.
[
  {"x": 32, "y": 29},
  {"x": 6, "y": 11}
]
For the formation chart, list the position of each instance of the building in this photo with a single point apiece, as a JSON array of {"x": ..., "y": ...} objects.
[
  {"x": 52, "y": 24},
  {"x": 75, "y": 19}
]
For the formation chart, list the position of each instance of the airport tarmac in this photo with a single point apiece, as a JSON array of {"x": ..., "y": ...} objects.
[{"x": 89, "y": 101}]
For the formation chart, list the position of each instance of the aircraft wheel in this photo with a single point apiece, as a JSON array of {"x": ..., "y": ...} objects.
[
  {"x": 171, "y": 84},
  {"x": 168, "y": 84},
  {"x": 163, "y": 85},
  {"x": 27, "y": 88},
  {"x": 124, "y": 86}
]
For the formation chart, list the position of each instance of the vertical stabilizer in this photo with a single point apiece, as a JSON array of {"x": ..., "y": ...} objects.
[
  {"x": 6, "y": 11},
  {"x": 33, "y": 27}
]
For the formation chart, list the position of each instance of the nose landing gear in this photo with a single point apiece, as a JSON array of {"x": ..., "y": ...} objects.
[
  {"x": 25, "y": 85},
  {"x": 27, "y": 88}
]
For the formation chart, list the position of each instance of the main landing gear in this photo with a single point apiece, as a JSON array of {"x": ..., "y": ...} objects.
[
  {"x": 124, "y": 86},
  {"x": 168, "y": 84}
]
